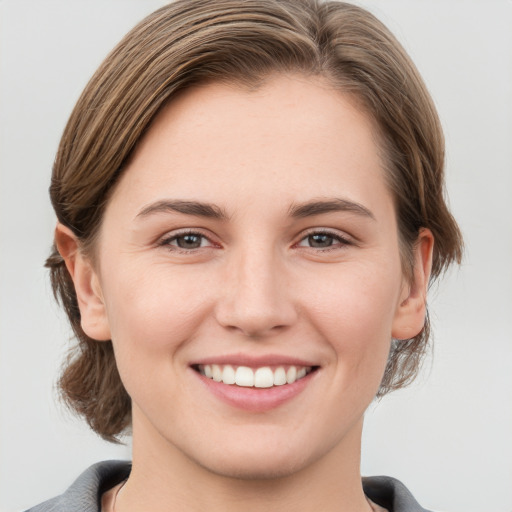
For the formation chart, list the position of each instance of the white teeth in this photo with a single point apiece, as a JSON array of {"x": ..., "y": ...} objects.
[
  {"x": 244, "y": 376},
  {"x": 279, "y": 377},
  {"x": 228, "y": 375},
  {"x": 216, "y": 373},
  {"x": 263, "y": 378},
  {"x": 291, "y": 375}
]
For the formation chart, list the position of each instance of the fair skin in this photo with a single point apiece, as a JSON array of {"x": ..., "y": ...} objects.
[{"x": 293, "y": 262}]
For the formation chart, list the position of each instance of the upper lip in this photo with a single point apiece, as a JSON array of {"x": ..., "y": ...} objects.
[{"x": 253, "y": 361}]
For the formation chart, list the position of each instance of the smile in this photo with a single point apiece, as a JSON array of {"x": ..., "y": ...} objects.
[{"x": 262, "y": 377}]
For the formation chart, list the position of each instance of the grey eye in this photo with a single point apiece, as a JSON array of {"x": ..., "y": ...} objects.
[
  {"x": 189, "y": 241},
  {"x": 320, "y": 240}
]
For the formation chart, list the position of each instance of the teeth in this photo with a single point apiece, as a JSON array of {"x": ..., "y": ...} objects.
[
  {"x": 279, "y": 376},
  {"x": 291, "y": 375},
  {"x": 216, "y": 373},
  {"x": 264, "y": 377},
  {"x": 228, "y": 375},
  {"x": 244, "y": 377}
]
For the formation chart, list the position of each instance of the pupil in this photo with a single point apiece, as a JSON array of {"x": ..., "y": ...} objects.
[
  {"x": 189, "y": 241},
  {"x": 320, "y": 240}
]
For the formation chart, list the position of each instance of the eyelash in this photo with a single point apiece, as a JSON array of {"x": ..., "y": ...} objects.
[
  {"x": 167, "y": 241},
  {"x": 340, "y": 240}
]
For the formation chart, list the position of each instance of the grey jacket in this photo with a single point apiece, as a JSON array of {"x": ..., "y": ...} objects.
[{"x": 85, "y": 494}]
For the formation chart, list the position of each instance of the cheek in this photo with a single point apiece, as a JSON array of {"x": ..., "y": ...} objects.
[
  {"x": 361, "y": 298},
  {"x": 355, "y": 312},
  {"x": 152, "y": 316},
  {"x": 155, "y": 310}
]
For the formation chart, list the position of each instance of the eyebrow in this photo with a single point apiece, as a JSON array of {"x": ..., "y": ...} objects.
[
  {"x": 213, "y": 211},
  {"x": 329, "y": 205},
  {"x": 199, "y": 209}
]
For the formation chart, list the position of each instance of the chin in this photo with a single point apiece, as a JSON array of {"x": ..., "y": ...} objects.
[
  {"x": 256, "y": 462},
  {"x": 254, "y": 469}
]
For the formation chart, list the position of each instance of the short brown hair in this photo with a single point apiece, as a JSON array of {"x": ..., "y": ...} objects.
[{"x": 193, "y": 41}]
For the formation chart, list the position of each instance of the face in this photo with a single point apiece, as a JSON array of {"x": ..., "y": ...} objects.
[{"x": 248, "y": 274}]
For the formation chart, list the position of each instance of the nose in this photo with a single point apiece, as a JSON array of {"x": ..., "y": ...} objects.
[{"x": 256, "y": 299}]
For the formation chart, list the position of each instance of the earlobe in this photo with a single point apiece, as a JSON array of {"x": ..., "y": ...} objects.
[
  {"x": 94, "y": 320},
  {"x": 412, "y": 308}
]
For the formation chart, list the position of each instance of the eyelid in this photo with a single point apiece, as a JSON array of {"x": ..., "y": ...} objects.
[
  {"x": 165, "y": 240},
  {"x": 341, "y": 237}
]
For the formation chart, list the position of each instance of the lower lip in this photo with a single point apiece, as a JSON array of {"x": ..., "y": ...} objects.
[{"x": 255, "y": 399}]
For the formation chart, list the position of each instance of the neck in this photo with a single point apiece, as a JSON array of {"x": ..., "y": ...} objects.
[{"x": 164, "y": 479}]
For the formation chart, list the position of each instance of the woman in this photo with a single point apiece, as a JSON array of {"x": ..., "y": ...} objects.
[{"x": 250, "y": 210}]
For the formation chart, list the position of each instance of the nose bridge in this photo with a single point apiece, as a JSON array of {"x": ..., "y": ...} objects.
[{"x": 255, "y": 299}]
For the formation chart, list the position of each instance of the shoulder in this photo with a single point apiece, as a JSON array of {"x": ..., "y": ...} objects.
[
  {"x": 391, "y": 494},
  {"x": 84, "y": 495}
]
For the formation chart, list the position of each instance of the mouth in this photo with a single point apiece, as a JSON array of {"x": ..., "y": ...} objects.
[{"x": 262, "y": 377}]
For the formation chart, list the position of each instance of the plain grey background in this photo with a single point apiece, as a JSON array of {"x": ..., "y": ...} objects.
[{"x": 449, "y": 436}]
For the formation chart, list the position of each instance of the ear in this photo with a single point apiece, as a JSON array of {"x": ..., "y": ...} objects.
[
  {"x": 93, "y": 314},
  {"x": 412, "y": 308}
]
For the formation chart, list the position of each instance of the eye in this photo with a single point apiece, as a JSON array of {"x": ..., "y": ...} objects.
[
  {"x": 320, "y": 240},
  {"x": 323, "y": 240},
  {"x": 187, "y": 241}
]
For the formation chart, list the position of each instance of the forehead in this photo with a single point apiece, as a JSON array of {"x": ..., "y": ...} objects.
[{"x": 290, "y": 134}]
